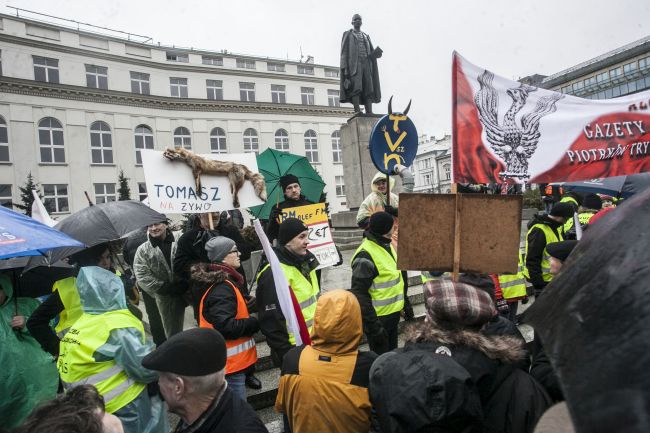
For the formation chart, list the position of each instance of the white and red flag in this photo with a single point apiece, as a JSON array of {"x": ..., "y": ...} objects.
[{"x": 506, "y": 131}]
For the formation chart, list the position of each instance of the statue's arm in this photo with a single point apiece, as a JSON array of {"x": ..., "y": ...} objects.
[{"x": 344, "y": 54}]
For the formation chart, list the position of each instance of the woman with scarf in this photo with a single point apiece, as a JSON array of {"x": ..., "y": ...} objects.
[{"x": 224, "y": 306}]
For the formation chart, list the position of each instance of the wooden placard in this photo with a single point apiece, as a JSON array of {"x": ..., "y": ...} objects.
[{"x": 489, "y": 231}]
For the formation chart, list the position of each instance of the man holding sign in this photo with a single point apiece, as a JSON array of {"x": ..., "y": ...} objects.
[{"x": 293, "y": 198}]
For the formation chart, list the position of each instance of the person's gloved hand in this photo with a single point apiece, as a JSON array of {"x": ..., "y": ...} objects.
[
  {"x": 502, "y": 307},
  {"x": 408, "y": 313},
  {"x": 399, "y": 168},
  {"x": 524, "y": 301},
  {"x": 391, "y": 210},
  {"x": 379, "y": 341},
  {"x": 340, "y": 262},
  {"x": 275, "y": 214}
]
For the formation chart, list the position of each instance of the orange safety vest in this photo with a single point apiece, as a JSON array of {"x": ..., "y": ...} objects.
[{"x": 240, "y": 353}]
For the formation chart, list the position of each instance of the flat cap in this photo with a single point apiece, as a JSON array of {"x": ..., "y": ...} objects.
[
  {"x": 195, "y": 352},
  {"x": 561, "y": 250},
  {"x": 457, "y": 303}
]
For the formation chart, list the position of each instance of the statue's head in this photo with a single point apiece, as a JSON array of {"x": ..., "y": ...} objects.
[{"x": 356, "y": 20}]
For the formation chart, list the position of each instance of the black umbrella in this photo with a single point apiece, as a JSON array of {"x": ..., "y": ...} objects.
[
  {"x": 618, "y": 186},
  {"x": 593, "y": 321},
  {"x": 108, "y": 221}
]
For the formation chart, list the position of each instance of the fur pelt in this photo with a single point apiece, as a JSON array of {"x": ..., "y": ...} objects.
[
  {"x": 500, "y": 347},
  {"x": 237, "y": 173},
  {"x": 200, "y": 273}
]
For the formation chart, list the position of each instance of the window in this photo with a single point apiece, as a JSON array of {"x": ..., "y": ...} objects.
[
  {"x": 6, "y": 199},
  {"x": 214, "y": 61},
  {"x": 105, "y": 192},
  {"x": 334, "y": 73},
  {"x": 50, "y": 138},
  {"x": 311, "y": 146},
  {"x": 426, "y": 179},
  {"x": 246, "y": 64},
  {"x": 577, "y": 85},
  {"x": 178, "y": 57},
  {"x": 307, "y": 95},
  {"x": 566, "y": 89},
  {"x": 46, "y": 69},
  {"x": 101, "y": 146},
  {"x": 215, "y": 89},
  {"x": 4, "y": 141},
  {"x": 336, "y": 147},
  {"x": 142, "y": 191},
  {"x": 340, "y": 185},
  {"x": 251, "y": 142},
  {"x": 333, "y": 98},
  {"x": 276, "y": 67},
  {"x": 281, "y": 140},
  {"x": 247, "y": 92},
  {"x": 182, "y": 138},
  {"x": 143, "y": 140},
  {"x": 218, "y": 141},
  {"x": 178, "y": 87},
  {"x": 97, "y": 77},
  {"x": 0, "y": 62},
  {"x": 305, "y": 70},
  {"x": 590, "y": 81},
  {"x": 629, "y": 68},
  {"x": 447, "y": 169},
  {"x": 644, "y": 63},
  {"x": 616, "y": 72},
  {"x": 278, "y": 95},
  {"x": 604, "y": 76},
  {"x": 140, "y": 83},
  {"x": 55, "y": 198}
]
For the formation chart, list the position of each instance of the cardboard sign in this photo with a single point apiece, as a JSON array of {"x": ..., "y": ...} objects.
[
  {"x": 320, "y": 236},
  {"x": 489, "y": 232},
  {"x": 171, "y": 187}
]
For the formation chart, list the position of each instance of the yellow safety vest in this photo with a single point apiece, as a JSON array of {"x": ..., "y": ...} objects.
[
  {"x": 583, "y": 217},
  {"x": 426, "y": 276},
  {"x": 71, "y": 304},
  {"x": 387, "y": 290},
  {"x": 568, "y": 199},
  {"x": 546, "y": 258},
  {"x": 513, "y": 286},
  {"x": 305, "y": 291},
  {"x": 77, "y": 365}
]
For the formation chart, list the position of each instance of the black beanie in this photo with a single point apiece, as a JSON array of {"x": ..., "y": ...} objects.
[
  {"x": 563, "y": 209},
  {"x": 561, "y": 250},
  {"x": 592, "y": 201},
  {"x": 380, "y": 223},
  {"x": 289, "y": 229},
  {"x": 287, "y": 180}
]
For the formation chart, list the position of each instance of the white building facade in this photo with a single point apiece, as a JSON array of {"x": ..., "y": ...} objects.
[
  {"x": 432, "y": 165},
  {"x": 77, "y": 106}
]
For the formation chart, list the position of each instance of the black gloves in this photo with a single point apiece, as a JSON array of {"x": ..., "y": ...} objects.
[
  {"x": 391, "y": 210},
  {"x": 379, "y": 341}
]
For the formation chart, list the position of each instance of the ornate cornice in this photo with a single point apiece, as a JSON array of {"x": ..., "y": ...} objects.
[
  {"x": 76, "y": 93},
  {"x": 167, "y": 66}
]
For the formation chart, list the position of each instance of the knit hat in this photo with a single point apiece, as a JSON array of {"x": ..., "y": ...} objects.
[
  {"x": 289, "y": 229},
  {"x": 380, "y": 223},
  {"x": 592, "y": 201},
  {"x": 563, "y": 209},
  {"x": 561, "y": 250},
  {"x": 452, "y": 303},
  {"x": 287, "y": 180},
  {"x": 195, "y": 352},
  {"x": 218, "y": 248}
]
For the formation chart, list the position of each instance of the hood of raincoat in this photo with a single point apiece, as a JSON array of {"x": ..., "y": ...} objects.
[
  {"x": 8, "y": 287},
  {"x": 337, "y": 323},
  {"x": 100, "y": 290},
  {"x": 380, "y": 175}
]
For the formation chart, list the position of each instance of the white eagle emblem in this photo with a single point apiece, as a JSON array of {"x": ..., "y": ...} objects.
[{"x": 514, "y": 142}]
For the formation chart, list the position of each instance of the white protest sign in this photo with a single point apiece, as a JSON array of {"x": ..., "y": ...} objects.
[
  {"x": 321, "y": 243},
  {"x": 171, "y": 188}
]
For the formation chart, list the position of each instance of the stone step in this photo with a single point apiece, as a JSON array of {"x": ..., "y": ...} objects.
[{"x": 347, "y": 233}]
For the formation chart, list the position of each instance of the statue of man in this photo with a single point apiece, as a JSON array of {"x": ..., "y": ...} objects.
[{"x": 359, "y": 74}]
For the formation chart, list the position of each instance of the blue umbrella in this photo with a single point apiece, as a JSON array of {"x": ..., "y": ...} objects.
[
  {"x": 22, "y": 236},
  {"x": 618, "y": 186}
]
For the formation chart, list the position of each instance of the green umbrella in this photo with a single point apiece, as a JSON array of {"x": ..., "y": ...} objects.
[{"x": 273, "y": 164}]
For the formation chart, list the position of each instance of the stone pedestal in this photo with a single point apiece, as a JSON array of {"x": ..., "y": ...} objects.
[{"x": 358, "y": 168}]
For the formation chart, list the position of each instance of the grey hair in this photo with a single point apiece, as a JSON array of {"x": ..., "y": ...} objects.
[{"x": 200, "y": 385}]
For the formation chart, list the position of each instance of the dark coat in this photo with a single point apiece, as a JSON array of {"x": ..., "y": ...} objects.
[
  {"x": 272, "y": 321},
  {"x": 228, "y": 414},
  {"x": 512, "y": 400},
  {"x": 543, "y": 372},
  {"x": 273, "y": 226},
  {"x": 349, "y": 63},
  {"x": 535, "y": 250}
]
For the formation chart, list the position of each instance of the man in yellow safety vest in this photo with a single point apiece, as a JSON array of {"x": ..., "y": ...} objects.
[
  {"x": 378, "y": 284},
  {"x": 299, "y": 267}
]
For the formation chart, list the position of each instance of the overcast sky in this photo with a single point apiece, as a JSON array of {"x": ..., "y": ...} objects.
[{"x": 511, "y": 38}]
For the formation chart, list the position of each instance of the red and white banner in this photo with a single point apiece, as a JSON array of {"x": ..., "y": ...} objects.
[{"x": 506, "y": 131}]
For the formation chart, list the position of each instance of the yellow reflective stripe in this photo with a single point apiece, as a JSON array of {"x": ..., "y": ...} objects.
[
  {"x": 97, "y": 377},
  {"x": 309, "y": 323},
  {"x": 243, "y": 347},
  {"x": 308, "y": 302},
  {"x": 62, "y": 333},
  {"x": 386, "y": 284},
  {"x": 389, "y": 301},
  {"x": 118, "y": 390}
]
